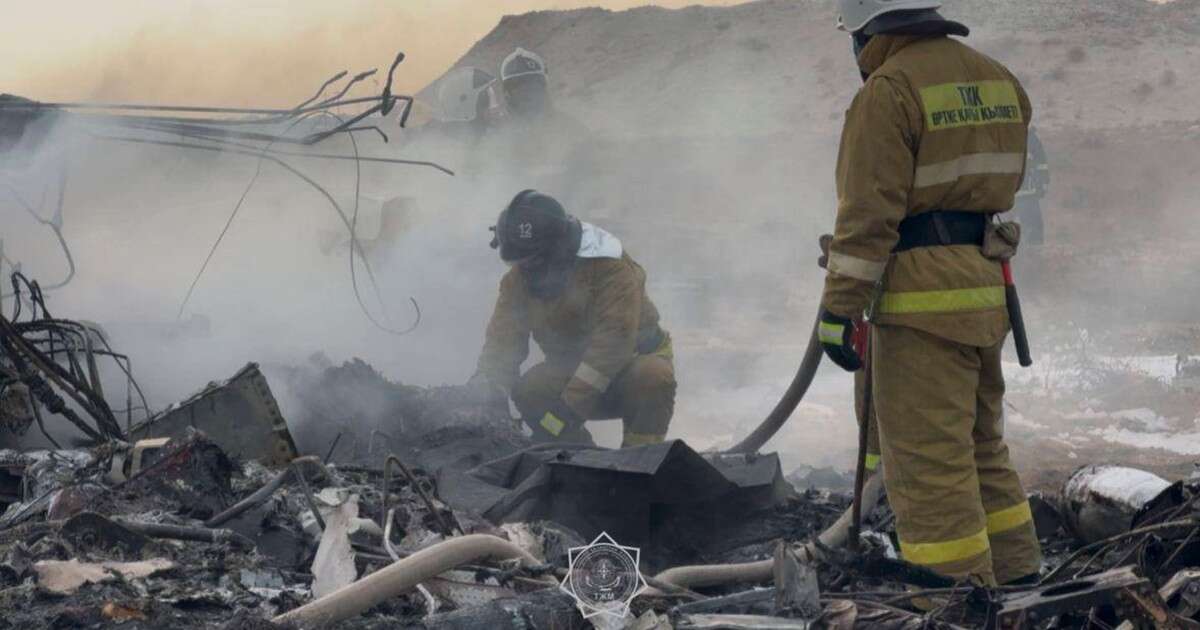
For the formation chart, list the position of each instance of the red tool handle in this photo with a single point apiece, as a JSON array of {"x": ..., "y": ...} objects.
[{"x": 1015, "y": 317}]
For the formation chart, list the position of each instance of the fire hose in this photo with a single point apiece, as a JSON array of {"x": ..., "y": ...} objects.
[
  {"x": 836, "y": 535},
  {"x": 790, "y": 400},
  {"x": 403, "y": 575},
  {"x": 813, "y": 354}
]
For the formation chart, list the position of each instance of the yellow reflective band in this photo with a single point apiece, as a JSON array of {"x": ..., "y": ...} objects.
[
  {"x": 871, "y": 461},
  {"x": 551, "y": 423},
  {"x": 592, "y": 377},
  {"x": 944, "y": 552},
  {"x": 942, "y": 301},
  {"x": 1009, "y": 518},
  {"x": 666, "y": 349},
  {"x": 642, "y": 439},
  {"x": 953, "y": 105},
  {"x": 831, "y": 333},
  {"x": 857, "y": 268},
  {"x": 970, "y": 164}
]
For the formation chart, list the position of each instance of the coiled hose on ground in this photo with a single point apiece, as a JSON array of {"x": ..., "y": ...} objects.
[{"x": 354, "y": 599}]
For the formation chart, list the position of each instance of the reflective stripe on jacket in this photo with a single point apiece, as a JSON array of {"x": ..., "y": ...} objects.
[
  {"x": 936, "y": 126},
  {"x": 596, "y": 325}
]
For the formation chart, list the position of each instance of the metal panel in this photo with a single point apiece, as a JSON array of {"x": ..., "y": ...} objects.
[{"x": 239, "y": 415}]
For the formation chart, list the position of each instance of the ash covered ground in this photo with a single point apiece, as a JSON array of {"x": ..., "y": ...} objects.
[{"x": 707, "y": 129}]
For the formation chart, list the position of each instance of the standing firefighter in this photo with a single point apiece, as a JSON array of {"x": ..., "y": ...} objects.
[
  {"x": 933, "y": 146},
  {"x": 583, "y": 300}
]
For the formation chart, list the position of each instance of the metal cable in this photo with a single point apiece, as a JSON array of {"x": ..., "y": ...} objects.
[{"x": 337, "y": 208}]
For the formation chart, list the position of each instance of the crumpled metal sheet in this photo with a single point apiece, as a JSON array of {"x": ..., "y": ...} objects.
[
  {"x": 240, "y": 415},
  {"x": 43, "y": 475},
  {"x": 1122, "y": 588},
  {"x": 1182, "y": 593},
  {"x": 627, "y": 493}
]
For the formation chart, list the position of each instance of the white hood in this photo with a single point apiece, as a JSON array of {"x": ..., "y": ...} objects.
[{"x": 597, "y": 243}]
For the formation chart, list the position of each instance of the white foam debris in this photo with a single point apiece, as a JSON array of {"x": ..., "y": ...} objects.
[
  {"x": 1130, "y": 485},
  {"x": 1179, "y": 443}
]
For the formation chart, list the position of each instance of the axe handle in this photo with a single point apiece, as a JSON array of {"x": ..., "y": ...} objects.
[{"x": 1017, "y": 320}]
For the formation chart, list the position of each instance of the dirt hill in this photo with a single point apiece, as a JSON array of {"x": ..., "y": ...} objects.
[
  {"x": 717, "y": 132},
  {"x": 774, "y": 65}
]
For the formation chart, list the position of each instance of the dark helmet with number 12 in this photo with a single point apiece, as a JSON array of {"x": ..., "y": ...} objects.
[{"x": 533, "y": 224}]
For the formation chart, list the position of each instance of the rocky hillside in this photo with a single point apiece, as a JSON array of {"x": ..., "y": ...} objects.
[{"x": 774, "y": 65}]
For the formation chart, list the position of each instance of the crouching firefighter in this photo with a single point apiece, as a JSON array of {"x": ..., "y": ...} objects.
[
  {"x": 934, "y": 145},
  {"x": 575, "y": 291}
]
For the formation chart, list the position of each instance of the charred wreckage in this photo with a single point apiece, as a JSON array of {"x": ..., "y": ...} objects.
[
  {"x": 429, "y": 509},
  {"x": 434, "y": 511}
]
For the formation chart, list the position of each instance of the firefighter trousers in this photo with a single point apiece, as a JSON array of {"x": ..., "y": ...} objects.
[
  {"x": 960, "y": 508},
  {"x": 642, "y": 396}
]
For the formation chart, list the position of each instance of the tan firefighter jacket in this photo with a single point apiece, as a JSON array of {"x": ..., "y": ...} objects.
[
  {"x": 936, "y": 126},
  {"x": 596, "y": 327}
]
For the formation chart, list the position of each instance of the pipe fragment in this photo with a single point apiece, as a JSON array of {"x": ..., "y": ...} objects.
[
  {"x": 180, "y": 532},
  {"x": 264, "y": 493}
]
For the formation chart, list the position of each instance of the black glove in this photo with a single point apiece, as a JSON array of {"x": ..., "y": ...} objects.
[
  {"x": 837, "y": 335},
  {"x": 558, "y": 424},
  {"x": 824, "y": 242}
]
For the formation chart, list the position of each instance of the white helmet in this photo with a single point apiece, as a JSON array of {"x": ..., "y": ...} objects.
[
  {"x": 855, "y": 14},
  {"x": 459, "y": 94},
  {"x": 521, "y": 63}
]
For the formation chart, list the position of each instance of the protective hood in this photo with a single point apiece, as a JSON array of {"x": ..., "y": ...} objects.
[{"x": 598, "y": 243}]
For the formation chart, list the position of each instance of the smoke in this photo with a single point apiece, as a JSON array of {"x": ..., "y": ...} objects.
[
  {"x": 698, "y": 139},
  {"x": 141, "y": 220}
]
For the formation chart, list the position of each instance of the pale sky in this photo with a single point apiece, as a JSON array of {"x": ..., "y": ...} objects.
[{"x": 240, "y": 52}]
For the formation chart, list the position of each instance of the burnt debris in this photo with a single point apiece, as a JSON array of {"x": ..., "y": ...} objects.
[{"x": 411, "y": 507}]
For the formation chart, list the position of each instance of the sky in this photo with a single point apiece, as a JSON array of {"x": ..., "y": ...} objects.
[{"x": 239, "y": 53}]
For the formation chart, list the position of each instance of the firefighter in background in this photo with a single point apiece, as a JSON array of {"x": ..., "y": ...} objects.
[
  {"x": 525, "y": 84},
  {"x": 466, "y": 98},
  {"x": 933, "y": 146},
  {"x": 1036, "y": 184},
  {"x": 533, "y": 130},
  {"x": 574, "y": 290}
]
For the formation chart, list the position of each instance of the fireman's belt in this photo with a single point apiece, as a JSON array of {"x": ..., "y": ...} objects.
[{"x": 942, "y": 227}]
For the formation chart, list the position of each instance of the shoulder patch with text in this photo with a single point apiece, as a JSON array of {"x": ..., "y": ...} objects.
[{"x": 953, "y": 105}]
